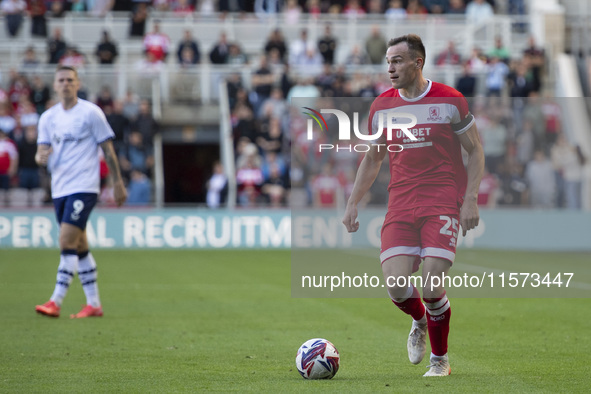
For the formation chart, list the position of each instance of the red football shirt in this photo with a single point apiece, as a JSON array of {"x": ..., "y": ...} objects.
[{"x": 428, "y": 172}]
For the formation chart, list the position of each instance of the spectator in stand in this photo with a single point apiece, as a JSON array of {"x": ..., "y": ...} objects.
[
  {"x": 436, "y": 6},
  {"x": 136, "y": 155},
  {"x": 276, "y": 42},
  {"x": 416, "y": 8},
  {"x": 243, "y": 119},
  {"x": 73, "y": 58},
  {"x": 28, "y": 170},
  {"x": 39, "y": 94},
  {"x": 311, "y": 62},
  {"x": 139, "y": 189},
  {"x": 396, "y": 10},
  {"x": 353, "y": 9},
  {"x": 137, "y": 21},
  {"x": 56, "y": 46},
  {"x": 274, "y": 187},
  {"x": 494, "y": 138},
  {"x": 325, "y": 188},
  {"x": 106, "y": 50},
  {"x": 118, "y": 122},
  {"x": 190, "y": 47},
  {"x": 375, "y": 46},
  {"x": 488, "y": 191},
  {"x": 479, "y": 11},
  {"x": 500, "y": 51},
  {"x": 8, "y": 164},
  {"x": 162, "y": 5},
  {"x": 477, "y": 61},
  {"x": 456, "y": 7},
  {"x": 357, "y": 56},
  {"x": 249, "y": 178},
  {"x": 262, "y": 82},
  {"x": 77, "y": 7},
  {"x": 270, "y": 138},
  {"x": 298, "y": 47},
  {"x": 467, "y": 82},
  {"x": 375, "y": 7},
  {"x": 216, "y": 186},
  {"x": 303, "y": 88},
  {"x": 131, "y": 105},
  {"x": 513, "y": 184},
  {"x": 497, "y": 72},
  {"x": 552, "y": 112},
  {"x": 313, "y": 8},
  {"x": 221, "y": 50},
  {"x": 57, "y": 9},
  {"x": 265, "y": 8},
  {"x": 19, "y": 87},
  {"x": 327, "y": 45},
  {"x": 525, "y": 143},
  {"x": 145, "y": 123},
  {"x": 157, "y": 43},
  {"x": 568, "y": 163},
  {"x": 537, "y": 59},
  {"x": 30, "y": 58},
  {"x": 183, "y": 8},
  {"x": 449, "y": 56},
  {"x": 14, "y": 12},
  {"x": 540, "y": 177},
  {"x": 100, "y": 8},
  {"x": 105, "y": 97},
  {"x": 26, "y": 116},
  {"x": 292, "y": 12},
  {"x": 520, "y": 81},
  {"x": 37, "y": 10},
  {"x": 236, "y": 56},
  {"x": 7, "y": 122}
]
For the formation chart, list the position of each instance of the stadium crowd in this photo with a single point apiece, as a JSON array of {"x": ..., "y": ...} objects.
[{"x": 529, "y": 160}]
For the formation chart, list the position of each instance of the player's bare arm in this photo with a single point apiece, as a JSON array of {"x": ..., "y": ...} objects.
[
  {"x": 366, "y": 175},
  {"x": 469, "y": 216},
  {"x": 119, "y": 191},
  {"x": 42, "y": 155}
]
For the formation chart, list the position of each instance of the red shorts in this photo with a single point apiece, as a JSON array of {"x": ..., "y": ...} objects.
[{"x": 419, "y": 232}]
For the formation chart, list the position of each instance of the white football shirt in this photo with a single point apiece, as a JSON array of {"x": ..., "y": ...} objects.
[{"x": 74, "y": 136}]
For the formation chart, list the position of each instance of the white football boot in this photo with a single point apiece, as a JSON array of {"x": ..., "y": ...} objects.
[
  {"x": 417, "y": 342},
  {"x": 439, "y": 366}
]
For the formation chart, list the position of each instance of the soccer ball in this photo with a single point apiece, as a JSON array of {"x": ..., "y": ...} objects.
[{"x": 317, "y": 359}]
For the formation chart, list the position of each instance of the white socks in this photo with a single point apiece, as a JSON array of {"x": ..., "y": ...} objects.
[
  {"x": 87, "y": 275},
  {"x": 65, "y": 273}
]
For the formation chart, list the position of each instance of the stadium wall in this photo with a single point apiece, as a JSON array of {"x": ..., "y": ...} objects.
[{"x": 197, "y": 229}]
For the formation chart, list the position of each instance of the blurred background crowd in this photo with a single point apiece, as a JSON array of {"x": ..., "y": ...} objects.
[{"x": 530, "y": 161}]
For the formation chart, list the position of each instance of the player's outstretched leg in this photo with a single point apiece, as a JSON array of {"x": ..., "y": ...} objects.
[
  {"x": 438, "y": 316},
  {"x": 417, "y": 338},
  {"x": 65, "y": 273},
  {"x": 88, "y": 278},
  {"x": 408, "y": 300}
]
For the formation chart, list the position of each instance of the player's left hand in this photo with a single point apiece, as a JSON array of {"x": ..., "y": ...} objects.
[
  {"x": 120, "y": 193},
  {"x": 469, "y": 216}
]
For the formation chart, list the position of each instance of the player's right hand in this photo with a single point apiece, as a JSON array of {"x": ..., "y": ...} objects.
[
  {"x": 350, "y": 218},
  {"x": 42, "y": 156}
]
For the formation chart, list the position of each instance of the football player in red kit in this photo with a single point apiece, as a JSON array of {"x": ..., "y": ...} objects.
[{"x": 431, "y": 193}]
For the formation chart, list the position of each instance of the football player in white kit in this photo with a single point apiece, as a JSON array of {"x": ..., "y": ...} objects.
[{"x": 70, "y": 134}]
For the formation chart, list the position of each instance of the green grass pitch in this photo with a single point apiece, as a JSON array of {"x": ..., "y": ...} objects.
[{"x": 190, "y": 321}]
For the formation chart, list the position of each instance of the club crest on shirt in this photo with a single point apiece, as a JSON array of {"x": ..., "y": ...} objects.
[{"x": 434, "y": 114}]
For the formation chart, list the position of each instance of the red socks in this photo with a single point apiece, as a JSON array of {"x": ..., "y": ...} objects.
[
  {"x": 412, "y": 304},
  {"x": 438, "y": 315}
]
